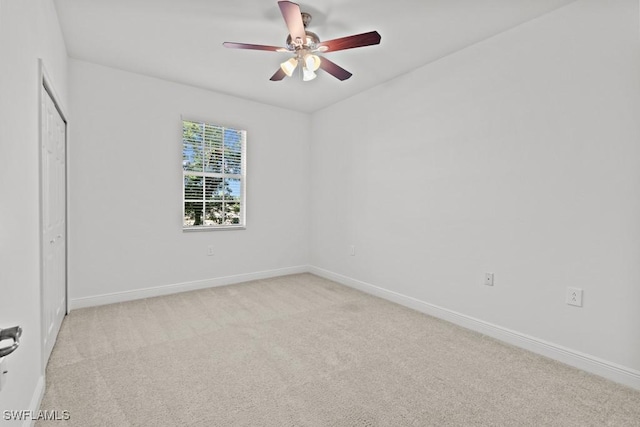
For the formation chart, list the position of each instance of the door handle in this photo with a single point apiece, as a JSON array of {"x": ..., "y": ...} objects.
[{"x": 14, "y": 334}]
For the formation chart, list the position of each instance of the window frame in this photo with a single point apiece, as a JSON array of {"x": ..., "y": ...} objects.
[{"x": 242, "y": 177}]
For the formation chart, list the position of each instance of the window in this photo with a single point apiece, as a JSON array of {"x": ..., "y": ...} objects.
[{"x": 213, "y": 168}]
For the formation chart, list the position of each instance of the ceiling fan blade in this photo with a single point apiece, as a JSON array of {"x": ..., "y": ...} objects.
[
  {"x": 334, "y": 69},
  {"x": 279, "y": 75},
  {"x": 293, "y": 18},
  {"x": 349, "y": 42},
  {"x": 234, "y": 45}
]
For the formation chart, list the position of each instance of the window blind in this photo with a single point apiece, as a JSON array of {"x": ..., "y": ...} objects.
[{"x": 213, "y": 163}]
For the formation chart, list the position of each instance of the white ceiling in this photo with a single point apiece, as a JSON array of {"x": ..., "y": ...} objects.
[{"x": 181, "y": 40}]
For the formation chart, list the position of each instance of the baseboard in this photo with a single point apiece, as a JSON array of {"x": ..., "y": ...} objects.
[
  {"x": 181, "y": 287},
  {"x": 585, "y": 362},
  {"x": 36, "y": 400}
]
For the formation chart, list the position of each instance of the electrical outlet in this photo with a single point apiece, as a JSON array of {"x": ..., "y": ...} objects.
[
  {"x": 488, "y": 279},
  {"x": 210, "y": 250},
  {"x": 574, "y": 296}
]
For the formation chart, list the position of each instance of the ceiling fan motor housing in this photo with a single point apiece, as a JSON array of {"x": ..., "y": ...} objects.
[{"x": 310, "y": 43}]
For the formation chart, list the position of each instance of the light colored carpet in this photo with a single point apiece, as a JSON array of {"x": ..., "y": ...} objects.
[{"x": 304, "y": 351}]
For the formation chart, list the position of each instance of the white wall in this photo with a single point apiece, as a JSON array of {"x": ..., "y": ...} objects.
[
  {"x": 125, "y": 211},
  {"x": 28, "y": 30},
  {"x": 519, "y": 155}
]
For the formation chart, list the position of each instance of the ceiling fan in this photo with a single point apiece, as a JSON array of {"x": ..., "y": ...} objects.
[{"x": 304, "y": 45}]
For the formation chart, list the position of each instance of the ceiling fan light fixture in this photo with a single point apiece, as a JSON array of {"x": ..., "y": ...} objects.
[
  {"x": 311, "y": 61},
  {"x": 289, "y": 66},
  {"x": 308, "y": 75}
]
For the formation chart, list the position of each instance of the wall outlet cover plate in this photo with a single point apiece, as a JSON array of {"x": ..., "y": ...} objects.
[
  {"x": 488, "y": 279},
  {"x": 574, "y": 296}
]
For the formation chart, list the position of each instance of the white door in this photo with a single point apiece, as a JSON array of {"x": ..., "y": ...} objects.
[{"x": 54, "y": 195}]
